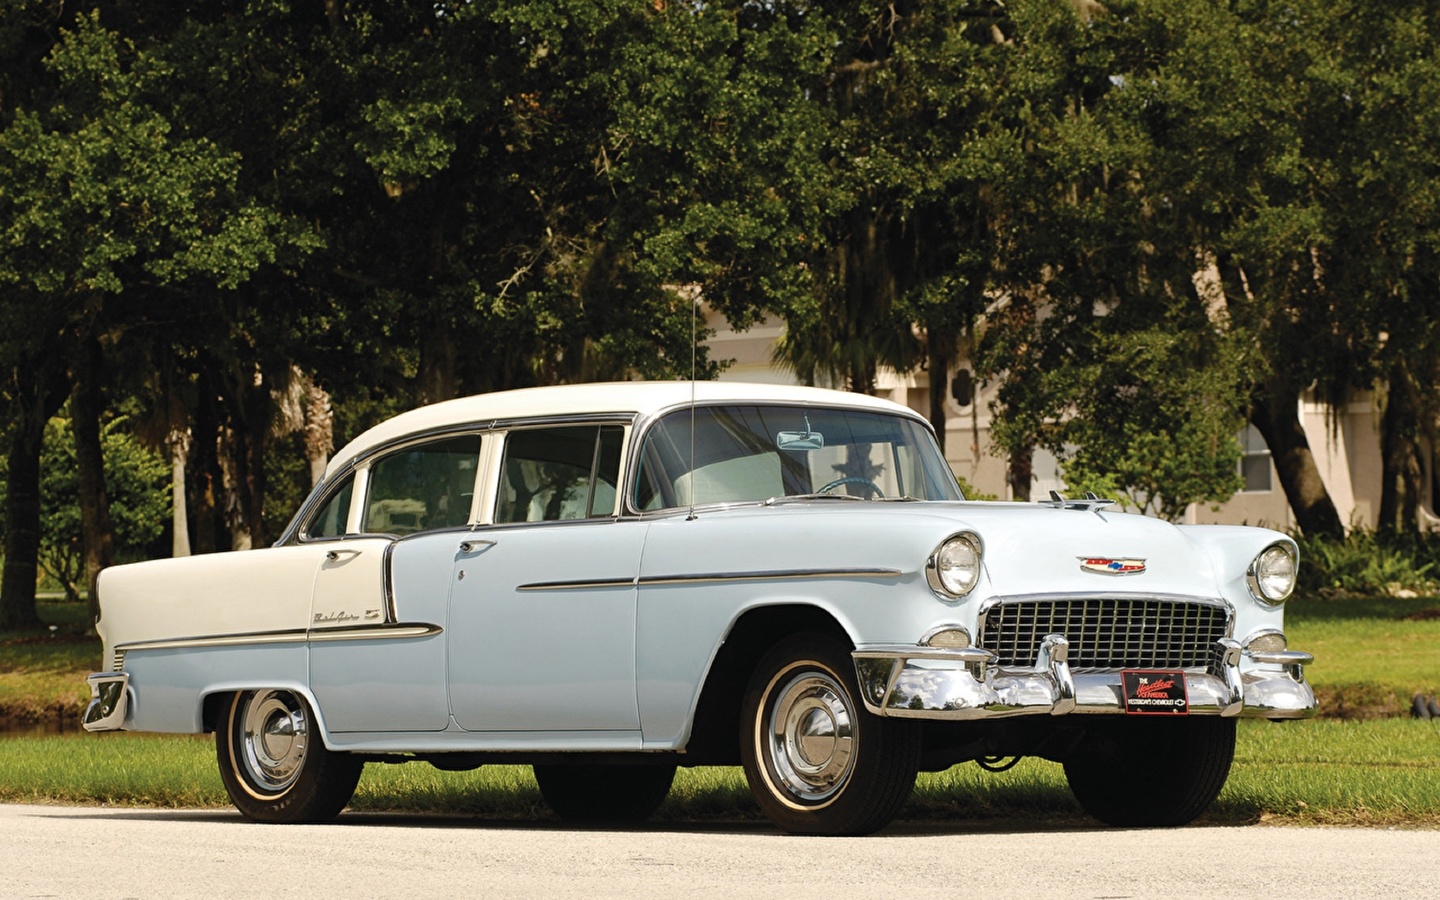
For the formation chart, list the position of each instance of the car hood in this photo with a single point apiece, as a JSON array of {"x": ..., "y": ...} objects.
[
  {"x": 1028, "y": 548},
  {"x": 1037, "y": 549}
]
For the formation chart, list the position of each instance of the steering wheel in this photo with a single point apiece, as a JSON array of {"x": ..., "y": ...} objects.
[{"x": 853, "y": 479}]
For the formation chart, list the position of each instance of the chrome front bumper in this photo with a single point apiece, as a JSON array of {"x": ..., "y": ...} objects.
[
  {"x": 926, "y": 683},
  {"x": 109, "y": 699}
]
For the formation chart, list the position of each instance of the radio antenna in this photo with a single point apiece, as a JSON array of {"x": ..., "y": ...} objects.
[{"x": 693, "y": 305}]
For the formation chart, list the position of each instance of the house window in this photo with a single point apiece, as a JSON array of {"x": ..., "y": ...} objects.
[{"x": 1254, "y": 461}]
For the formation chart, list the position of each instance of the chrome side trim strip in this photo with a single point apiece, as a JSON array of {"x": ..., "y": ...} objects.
[
  {"x": 387, "y": 584},
  {"x": 596, "y": 584},
  {"x": 291, "y": 636},
  {"x": 376, "y": 633},
  {"x": 709, "y": 578},
  {"x": 777, "y": 574}
]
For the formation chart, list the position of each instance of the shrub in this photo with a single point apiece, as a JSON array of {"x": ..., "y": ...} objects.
[{"x": 1367, "y": 563}]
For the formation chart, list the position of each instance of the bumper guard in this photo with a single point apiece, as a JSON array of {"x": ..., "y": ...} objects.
[
  {"x": 927, "y": 683},
  {"x": 109, "y": 700}
]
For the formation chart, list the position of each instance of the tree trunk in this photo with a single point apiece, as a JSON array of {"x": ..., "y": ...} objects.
[
  {"x": 203, "y": 480},
  {"x": 319, "y": 430},
  {"x": 1402, "y": 477},
  {"x": 1020, "y": 473},
  {"x": 940, "y": 351},
  {"x": 86, "y": 403},
  {"x": 1275, "y": 414},
  {"x": 178, "y": 443},
  {"x": 437, "y": 366},
  {"x": 32, "y": 404}
]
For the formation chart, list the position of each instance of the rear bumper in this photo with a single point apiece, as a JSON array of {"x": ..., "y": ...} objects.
[
  {"x": 109, "y": 700},
  {"x": 925, "y": 683}
]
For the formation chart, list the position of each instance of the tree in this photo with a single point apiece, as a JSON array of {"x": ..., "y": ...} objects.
[
  {"x": 135, "y": 485},
  {"x": 101, "y": 198}
]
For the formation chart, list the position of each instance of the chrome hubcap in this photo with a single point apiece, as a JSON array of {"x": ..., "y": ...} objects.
[
  {"x": 274, "y": 734},
  {"x": 810, "y": 737}
]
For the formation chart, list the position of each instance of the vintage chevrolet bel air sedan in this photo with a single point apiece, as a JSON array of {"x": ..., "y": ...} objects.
[{"x": 609, "y": 581}]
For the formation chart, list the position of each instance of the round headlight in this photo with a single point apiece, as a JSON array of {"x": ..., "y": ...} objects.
[
  {"x": 956, "y": 565},
  {"x": 1272, "y": 574}
]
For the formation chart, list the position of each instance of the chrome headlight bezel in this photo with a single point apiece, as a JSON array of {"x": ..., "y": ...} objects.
[
  {"x": 1273, "y": 572},
  {"x": 954, "y": 567}
]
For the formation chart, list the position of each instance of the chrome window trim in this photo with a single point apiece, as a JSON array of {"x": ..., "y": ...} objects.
[
  {"x": 642, "y": 425},
  {"x": 319, "y": 494},
  {"x": 358, "y": 499},
  {"x": 488, "y": 426},
  {"x": 502, "y": 438},
  {"x": 487, "y": 488}
]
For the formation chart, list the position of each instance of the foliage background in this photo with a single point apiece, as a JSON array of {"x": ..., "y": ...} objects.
[{"x": 239, "y": 232}]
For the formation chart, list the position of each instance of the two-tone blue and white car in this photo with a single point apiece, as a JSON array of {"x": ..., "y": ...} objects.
[{"x": 609, "y": 581}]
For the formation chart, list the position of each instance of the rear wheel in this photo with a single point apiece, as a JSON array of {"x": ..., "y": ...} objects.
[
  {"x": 817, "y": 761},
  {"x": 274, "y": 764},
  {"x": 604, "y": 794},
  {"x": 1152, "y": 772}
]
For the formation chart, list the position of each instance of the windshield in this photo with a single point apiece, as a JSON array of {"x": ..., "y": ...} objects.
[{"x": 752, "y": 453}]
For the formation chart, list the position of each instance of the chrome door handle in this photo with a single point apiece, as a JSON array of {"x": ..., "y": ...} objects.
[{"x": 467, "y": 546}]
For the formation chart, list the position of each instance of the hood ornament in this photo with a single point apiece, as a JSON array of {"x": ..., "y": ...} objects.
[
  {"x": 1111, "y": 565},
  {"x": 1091, "y": 502}
]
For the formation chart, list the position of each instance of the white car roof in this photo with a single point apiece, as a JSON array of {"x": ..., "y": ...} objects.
[{"x": 642, "y": 398}]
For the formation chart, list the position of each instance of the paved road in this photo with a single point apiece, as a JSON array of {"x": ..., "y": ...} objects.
[{"x": 85, "y": 852}]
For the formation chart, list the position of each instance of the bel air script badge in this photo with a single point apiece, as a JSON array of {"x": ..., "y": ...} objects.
[{"x": 1105, "y": 565}]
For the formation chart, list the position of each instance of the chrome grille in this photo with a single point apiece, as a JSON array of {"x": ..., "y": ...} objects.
[{"x": 1107, "y": 633}]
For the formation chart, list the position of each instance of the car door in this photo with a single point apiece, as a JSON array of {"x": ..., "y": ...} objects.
[
  {"x": 541, "y": 634},
  {"x": 377, "y": 654}
]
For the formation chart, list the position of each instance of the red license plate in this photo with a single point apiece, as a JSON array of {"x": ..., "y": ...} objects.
[{"x": 1155, "y": 693}]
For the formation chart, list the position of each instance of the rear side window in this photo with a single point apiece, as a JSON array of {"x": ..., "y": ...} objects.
[
  {"x": 564, "y": 472},
  {"x": 423, "y": 487}
]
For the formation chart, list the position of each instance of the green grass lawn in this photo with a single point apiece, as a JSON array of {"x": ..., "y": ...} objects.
[
  {"x": 1371, "y": 655},
  {"x": 42, "y": 673},
  {"x": 1324, "y": 772}
]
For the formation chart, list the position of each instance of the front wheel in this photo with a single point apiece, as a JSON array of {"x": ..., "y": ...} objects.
[
  {"x": 274, "y": 764},
  {"x": 1152, "y": 772},
  {"x": 817, "y": 761}
]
